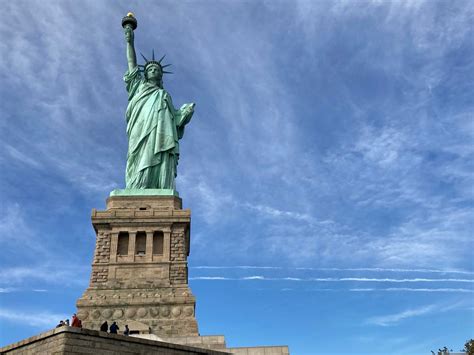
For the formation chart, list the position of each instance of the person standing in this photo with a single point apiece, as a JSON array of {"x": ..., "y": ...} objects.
[
  {"x": 113, "y": 328},
  {"x": 126, "y": 331},
  {"x": 75, "y": 321},
  {"x": 104, "y": 327}
]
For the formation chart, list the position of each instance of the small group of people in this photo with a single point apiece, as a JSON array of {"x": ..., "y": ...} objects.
[
  {"x": 76, "y": 322},
  {"x": 114, "y": 328},
  {"x": 63, "y": 323}
]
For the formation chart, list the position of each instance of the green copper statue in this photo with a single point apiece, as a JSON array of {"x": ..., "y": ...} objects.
[{"x": 154, "y": 126}]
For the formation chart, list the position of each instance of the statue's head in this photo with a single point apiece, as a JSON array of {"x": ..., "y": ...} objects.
[{"x": 153, "y": 70}]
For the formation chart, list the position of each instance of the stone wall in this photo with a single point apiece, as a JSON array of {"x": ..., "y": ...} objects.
[
  {"x": 260, "y": 350},
  {"x": 101, "y": 256},
  {"x": 44, "y": 343},
  {"x": 178, "y": 267},
  {"x": 215, "y": 342},
  {"x": 68, "y": 340}
]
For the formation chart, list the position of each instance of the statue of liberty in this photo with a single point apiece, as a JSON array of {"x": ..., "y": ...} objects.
[{"x": 154, "y": 126}]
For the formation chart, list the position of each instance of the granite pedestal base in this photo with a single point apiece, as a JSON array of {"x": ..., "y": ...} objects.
[{"x": 139, "y": 272}]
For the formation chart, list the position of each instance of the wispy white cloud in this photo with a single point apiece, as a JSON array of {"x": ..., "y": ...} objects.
[
  {"x": 210, "y": 201},
  {"x": 436, "y": 271},
  {"x": 237, "y": 267},
  {"x": 34, "y": 318},
  {"x": 365, "y": 279},
  {"x": 14, "y": 223},
  {"x": 397, "y": 317},
  {"x": 37, "y": 250},
  {"x": 210, "y": 278},
  {"x": 344, "y": 281},
  {"x": 393, "y": 319},
  {"x": 66, "y": 275},
  {"x": 22, "y": 158},
  {"x": 408, "y": 289},
  {"x": 333, "y": 279},
  {"x": 254, "y": 278},
  {"x": 279, "y": 214},
  {"x": 12, "y": 289},
  {"x": 448, "y": 271}
]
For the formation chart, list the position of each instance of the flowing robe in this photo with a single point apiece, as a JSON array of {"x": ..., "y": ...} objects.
[{"x": 154, "y": 127}]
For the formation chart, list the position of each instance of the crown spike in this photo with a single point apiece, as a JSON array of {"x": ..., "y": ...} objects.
[
  {"x": 146, "y": 60},
  {"x": 166, "y": 65},
  {"x": 162, "y": 58},
  {"x": 152, "y": 54},
  {"x": 167, "y": 72}
]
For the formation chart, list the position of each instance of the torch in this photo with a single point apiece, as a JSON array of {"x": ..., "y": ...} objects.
[{"x": 129, "y": 21}]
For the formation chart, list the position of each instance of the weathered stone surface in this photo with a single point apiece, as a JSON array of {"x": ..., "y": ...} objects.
[
  {"x": 216, "y": 342},
  {"x": 148, "y": 202},
  {"x": 130, "y": 284},
  {"x": 68, "y": 340},
  {"x": 260, "y": 350}
]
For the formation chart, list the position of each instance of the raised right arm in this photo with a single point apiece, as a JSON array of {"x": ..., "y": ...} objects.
[{"x": 131, "y": 55}]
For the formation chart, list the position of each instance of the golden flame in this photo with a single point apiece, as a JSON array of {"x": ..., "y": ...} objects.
[{"x": 130, "y": 14}]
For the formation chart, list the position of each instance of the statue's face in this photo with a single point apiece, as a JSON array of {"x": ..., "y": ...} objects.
[{"x": 153, "y": 72}]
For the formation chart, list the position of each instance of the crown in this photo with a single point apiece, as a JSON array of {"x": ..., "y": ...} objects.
[{"x": 154, "y": 62}]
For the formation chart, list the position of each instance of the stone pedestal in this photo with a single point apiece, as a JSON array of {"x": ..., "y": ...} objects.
[{"x": 139, "y": 273}]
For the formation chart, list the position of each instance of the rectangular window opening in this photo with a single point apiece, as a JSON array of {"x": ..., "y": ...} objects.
[
  {"x": 122, "y": 245},
  {"x": 140, "y": 243},
  {"x": 158, "y": 243}
]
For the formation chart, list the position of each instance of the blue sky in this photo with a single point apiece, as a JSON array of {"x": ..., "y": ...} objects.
[{"x": 328, "y": 166}]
